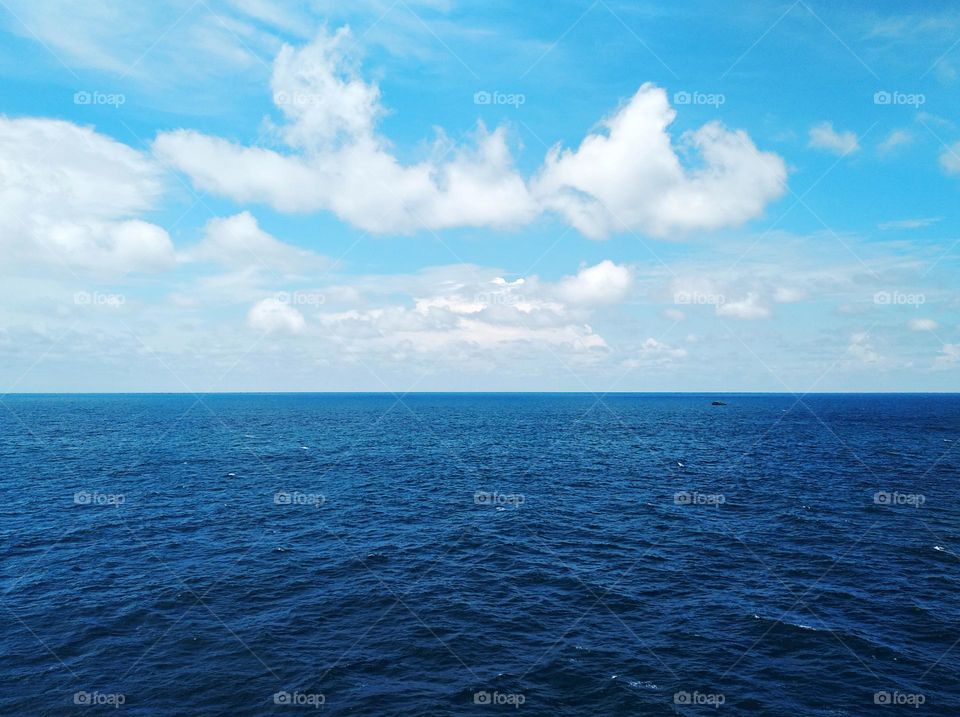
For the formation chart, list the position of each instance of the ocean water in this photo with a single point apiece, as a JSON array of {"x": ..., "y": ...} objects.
[{"x": 478, "y": 554}]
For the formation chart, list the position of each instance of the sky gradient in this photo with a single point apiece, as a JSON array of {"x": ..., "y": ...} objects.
[{"x": 239, "y": 195}]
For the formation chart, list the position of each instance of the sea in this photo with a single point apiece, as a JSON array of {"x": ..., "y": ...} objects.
[{"x": 480, "y": 554}]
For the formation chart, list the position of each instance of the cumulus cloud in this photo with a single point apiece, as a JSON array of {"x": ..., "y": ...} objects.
[
  {"x": 629, "y": 177},
  {"x": 949, "y": 356},
  {"x": 336, "y": 160},
  {"x": 749, "y": 308},
  {"x": 460, "y": 312},
  {"x": 605, "y": 283},
  {"x": 274, "y": 316},
  {"x": 238, "y": 241},
  {"x": 71, "y": 196},
  {"x": 950, "y": 159},
  {"x": 824, "y": 136},
  {"x": 655, "y": 353},
  {"x": 922, "y": 325}
]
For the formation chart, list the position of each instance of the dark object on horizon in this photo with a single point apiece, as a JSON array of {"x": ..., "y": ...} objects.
[{"x": 718, "y": 403}]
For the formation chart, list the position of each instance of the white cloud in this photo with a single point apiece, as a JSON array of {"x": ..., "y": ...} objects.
[
  {"x": 923, "y": 325},
  {"x": 918, "y": 223},
  {"x": 950, "y": 159},
  {"x": 748, "y": 308},
  {"x": 274, "y": 316},
  {"x": 71, "y": 196},
  {"x": 949, "y": 356},
  {"x": 674, "y": 314},
  {"x": 824, "y": 136},
  {"x": 896, "y": 138},
  {"x": 604, "y": 283},
  {"x": 631, "y": 177},
  {"x": 339, "y": 163},
  {"x": 238, "y": 241},
  {"x": 861, "y": 348},
  {"x": 465, "y": 312},
  {"x": 788, "y": 295},
  {"x": 655, "y": 353}
]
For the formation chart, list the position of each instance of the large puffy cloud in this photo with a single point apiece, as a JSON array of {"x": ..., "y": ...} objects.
[
  {"x": 628, "y": 178},
  {"x": 71, "y": 196},
  {"x": 339, "y": 163}
]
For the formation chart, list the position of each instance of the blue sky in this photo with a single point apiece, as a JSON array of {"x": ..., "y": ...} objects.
[{"x": 444, "y": 195}]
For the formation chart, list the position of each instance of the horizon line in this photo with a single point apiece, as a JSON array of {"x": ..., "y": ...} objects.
[{"x": 479, "y": 393}]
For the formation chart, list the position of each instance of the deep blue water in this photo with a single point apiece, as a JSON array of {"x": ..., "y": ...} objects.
[{"x": 644, "y": 554}]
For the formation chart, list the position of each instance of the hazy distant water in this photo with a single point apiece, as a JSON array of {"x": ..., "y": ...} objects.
[{"x": 648, "y": 554}]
